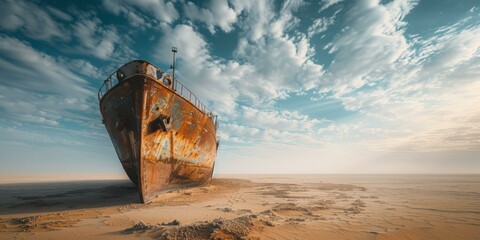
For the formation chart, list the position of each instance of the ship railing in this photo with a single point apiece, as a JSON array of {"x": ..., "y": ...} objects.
[
  {"x": 187, "y": 94},
  {"x": 183, "y": 91},
  {"x": 108, "y": 84}
]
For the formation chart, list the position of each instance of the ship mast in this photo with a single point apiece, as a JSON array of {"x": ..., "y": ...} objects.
[{"x": 174, "y": 50}]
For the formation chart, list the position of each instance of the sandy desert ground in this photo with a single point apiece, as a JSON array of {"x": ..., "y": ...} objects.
[{"x": 249, "y": 207}]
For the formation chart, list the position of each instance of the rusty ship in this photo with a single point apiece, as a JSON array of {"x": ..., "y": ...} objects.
[{"x": 164, "y": 136}]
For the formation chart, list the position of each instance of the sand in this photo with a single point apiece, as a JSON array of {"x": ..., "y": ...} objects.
[{"x": 249, "y": 207}]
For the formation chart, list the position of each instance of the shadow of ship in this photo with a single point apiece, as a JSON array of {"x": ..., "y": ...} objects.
[{"x": 60, "y": 196}]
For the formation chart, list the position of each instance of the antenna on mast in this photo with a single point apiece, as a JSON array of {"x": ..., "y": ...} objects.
[{"x": 174, "y": 50}]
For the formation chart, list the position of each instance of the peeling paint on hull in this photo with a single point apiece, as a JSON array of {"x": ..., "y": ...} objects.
[{"x": 163, "y": 140}]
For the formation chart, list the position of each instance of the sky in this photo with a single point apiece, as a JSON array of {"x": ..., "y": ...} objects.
[{"x": 314, "y": 87}]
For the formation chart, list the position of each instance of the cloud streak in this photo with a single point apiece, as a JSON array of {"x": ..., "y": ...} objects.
[{"x": 33, "y": 20}]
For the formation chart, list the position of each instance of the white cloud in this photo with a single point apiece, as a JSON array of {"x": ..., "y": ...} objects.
[
  {"x": 198, "y": 69},
  {"x": 134, "y": 17},
  {"x": 84, "y": 67},
  {"x": 250, "y": 135},
  {"x": 320, "y": 25},
  {"x": 32, "y": 20},
  {"x": 101, "y": 41},
  {"x": 450, "y": 48},
  {"x": 37, "y": 88},
  {"x": 258, "y": 16},
  {"x": 278, "y": 120},
  {"x": 372, "y": 41},
  {"x": 216, "y": 13},
  {"x": 327, "y": 4},
  {"x": 423, "y": 86},
  {"x": 282, "y": 63},
  {"x": 37, "y": 71},
  {"x": 59, "y": 14},
  {"x": 265, "y": 69},
  {"x": 254, "y": 126},
  {"x": 87, "y": 35},
  {"x": 275, "y": 61},
  {"x": 163, "y": 11},
  {"x": 230, "y": 81},
  {"x": 238, "y": 133},
  {"x": 363, "y": 132}
]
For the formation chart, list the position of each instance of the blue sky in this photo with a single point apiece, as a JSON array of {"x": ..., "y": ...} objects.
[{"x": 329, "y": 86}]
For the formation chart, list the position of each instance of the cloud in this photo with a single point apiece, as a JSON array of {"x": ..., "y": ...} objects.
[
  {"x": 422, "y": 77},
  {"x": 131, "y": 9},
  {"x": 228, "y": 82},
  {"x": 84, "y": 67},
  {"x": 327, "y": 4},
  {"x": 231, "y": 133},
  {"x": 216, "y": 14},
  {"x": 32, "y": 20},
  {"x": 283, "y": 63},
  {"x": 268, "y": 68},
  {"x": 370, "y": 134},
  {"x": 59, "y": 14},
  {"x": 278, "y": 120},
  {"x": 320, "y": 25},
  {"x": 235, "y": 133},
  {"x": 25, "y": 68},
  {"x": 406, "y": 83},
  {"x": 371, "y": 41},
  {"x": 198, "y": 69},
  {"x": 37, "y": 88},
  {"x": 254, "y": 126},
  {"x": 449, "y": 48},
  {"x": 258, "y": 16},
  {"x": 87, "y": 35},
  {"x": 99, "y": 40},
  {"x": 134, "y": 18}
]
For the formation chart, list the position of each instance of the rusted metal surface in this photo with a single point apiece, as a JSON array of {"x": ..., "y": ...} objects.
[{"x": 162, "y": 139}]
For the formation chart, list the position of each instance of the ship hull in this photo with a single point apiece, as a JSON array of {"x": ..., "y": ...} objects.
[{"x": 162, "y": 139}]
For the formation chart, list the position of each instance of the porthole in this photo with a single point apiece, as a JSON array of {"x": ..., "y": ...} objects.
[
  {"x": 120, "y": 75},
  {"x": 167, "y": 81}
]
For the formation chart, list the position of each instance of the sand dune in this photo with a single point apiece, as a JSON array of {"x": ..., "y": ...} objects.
[{"x": 249, "y": 207}]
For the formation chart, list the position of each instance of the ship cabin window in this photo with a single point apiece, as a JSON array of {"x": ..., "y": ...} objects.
[
  {"x": 167, "y": 81},
  {"x": 159, "y": 74},
  {"x": 120, "y": 75}
]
